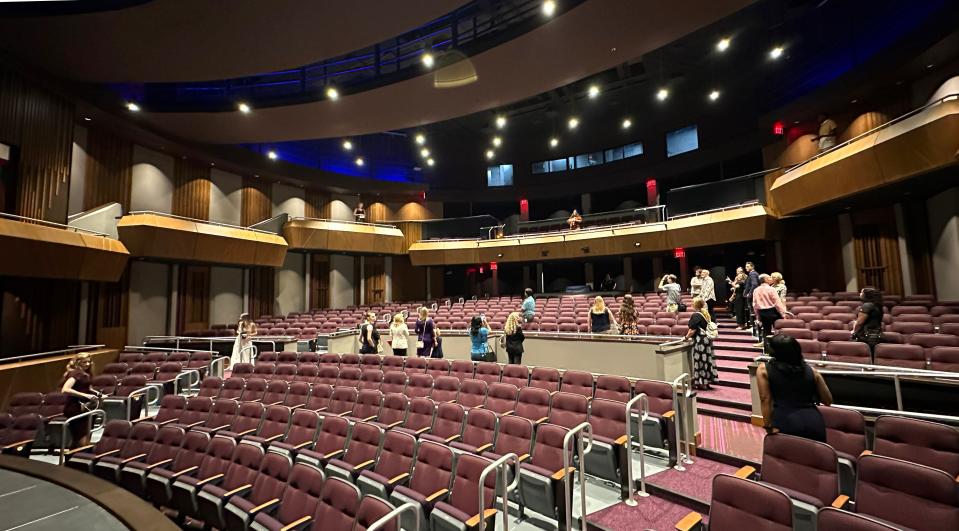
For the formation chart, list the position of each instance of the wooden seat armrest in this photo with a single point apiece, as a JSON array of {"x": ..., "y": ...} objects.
[
  {"x": 77, "y": 450},
  {"x": 523, "y": 457},
  {"x": 621, "y": 440},
  {"x": 218, "y": 428},
  {"x": 303, "y": 444},
  {"x": 367, "y": 419},
  {"x": 689, "y": 522},
  {"x": 184, "y": 471},
  {"x": 840, "y": 501},
  {"x": 193, "y": 424},
  {"x": 561, "y": 473},
  {"x": 18, "y": 443},
  {"x": 437, "y": 494},
  {"x": 294, "y": 408},
  {"x": 333, "y": 454},
  {"x": 483, "y": 448},
  {"x": 745, "y": 472},
  {"x": 151, "y": 466},
  {"x": 237, "y": 490},
  {"x": 214, "y": 477},
  {"x": 164, "y": 423},
  {"x": 540, "y": 420},
  {"x": 393, "y": 425},
  {"x": 264, "y": 505},
  {"x": 275, "y": 437},
  {"x": 111, "y": 452},
  {"x": 278, "y": 402},
  {"x": 452, "y": 438},
  {"x": 343, "y": 414},
  {"x": 364, "y": 464},
  {"x": 298, "y": 524},
  {"x": 422, "y": 430},
  {"x": 865, "y": 453},
  {"x": 134, "y": 458},
  {"x": 246, "y": 432},
  {"x": 505, "y": 413},
  {"x": 671, "y": 415},
  {"x": 319, "y": 409},
  {"x": 401, "y": 477},
  {"x": 475, "y": 520}
]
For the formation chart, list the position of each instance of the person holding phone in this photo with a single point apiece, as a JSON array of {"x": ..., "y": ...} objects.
[{"x": 479, "y": 337}]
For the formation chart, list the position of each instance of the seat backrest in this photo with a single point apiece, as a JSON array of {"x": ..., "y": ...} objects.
[
  {"x": 395, "y": 406},
  {"x": 350, "y": 360},
  {"x": 126, "y": 386},
  {"x": 545, "y": 378},
  {"x": 116, "y": 369},
  {"x": 364, "y": 443},
  {"x": 448, "y": 421},
  {"x": 349, "y": 377},
  {"x": 612, "y": 387},
  {"x": 472, "y": 392},
  {"x": 501, "y": 398},
  {"x": 140, "y": 439},
  {"x": 24, "y": 403},
  {"x": 371, "y": 379},
  {"x": 285, "y": 371},
  {"x": 368, "y": 403},
  {"x": 433, "y": 469},
  {"x": 232, "y": 388},
  {"x": 370, "y": 510},
  {"x": 739, "y": 504},
  {"x": 171, "y": 407},
  {"x": 394, "y": 382},
  {"x": 848, "y": 351},
  {"x": 334, "y": 435},
  {"x": 607, "y": 418},
  {"x": 319, "y": 397},
  {"x": 343, "y": 400},
  {"x": 114, "y": 434},
  {"x": 210, "y": 386},
  {"x": 297, "y": 394},
  {"x": 303, "y": 427},
  {"x": 219, "y": 452},
  {"x": 445, "y": 389},
  {"x": 803, "y": 465},
  {"x": 438, "y": 367},
  {"x": 480, "y": 428},
  {"x": 532, "y": 403},
  {"x": 548, "y": 447},
  {"x": 830, "y": 519},
  {"x": 276, "y": 420},
  {"x": 264, "y": 369},
  {"x": 248, "y": 417},
  {"x": 568, "y": 410},
  {"x": 272, "y": 478},
  {"x": 197, "y": 409},
  {"x": 906, "y": 494},
  {"x": 192, "y": 450},
  {"x": 420, "y": 414},
  {"x": 918, "y": 441},
  {"x": 420, "y": 385},
  {"x": 845, "y": 430},
  {"x": 944, "y": 359},
  {"x": 398, "y": 454},
  {"x": 488, "y": 371},
  {"x": 168, "y": 371},
  {"x": 222, "y": 412},
  {"x": 414, "y": 366},
  {"x": 517, "y": 375},
  {"x": 301, "y": 495},
  {"x": 337, "y": 506},
  {"x": 514, "y": 435},
  {"x": 465, "y": 491},
  {"x": 892, "y": 355},
  {"x": 255, "y": 389},
  {"x": 577, "y": 382},
  {"x": 328, "y": 374},
  {"x": 371, "y": 361},
  {"x": 462, "y": 369}
]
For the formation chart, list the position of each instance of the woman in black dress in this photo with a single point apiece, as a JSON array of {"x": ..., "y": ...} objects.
[
  {"x": 513, "y": 337},
  {"x": 789, "y": 390},
  {"x": 76, "y": 385},
  {"x": 369, "y": 336},
  {"x": 738, "y": 284},
  {"x": 704, "y": 363},
  {"x": 868, "y": 326}
]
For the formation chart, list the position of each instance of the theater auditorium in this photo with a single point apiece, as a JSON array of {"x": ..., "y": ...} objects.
[{"x": 457, "y": 265}]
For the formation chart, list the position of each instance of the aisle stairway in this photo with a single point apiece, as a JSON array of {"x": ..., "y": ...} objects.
[{"x": 730, "y": 397}]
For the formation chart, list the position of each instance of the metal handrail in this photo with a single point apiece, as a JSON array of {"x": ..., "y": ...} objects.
[
  {"x": 167, "y": 349},
  {"x": 206, "y": 222},
  {"x": 910, "y": 114},
  {"x": 595, "y": 215},
  {"x": 253, "y": 352},
  {"x": 683, "y": 444},
  {"x": 76, "y": 348},
  {"x": 501, "y": 464},
  {"x": 586, "y": 428},
  {"x": 643, "y": 415},
  {"x": 912, "y": 414},
  {"x": 564, "y": 233},
  {"x": 66, "y": 423},
  {"x": 51, "y": 224},
  {"x": 367, "y": 223},
  {"x": 398, "y": 515},
  {"x": 872, "y": 369},
  {"x": 751, "y": 202}
]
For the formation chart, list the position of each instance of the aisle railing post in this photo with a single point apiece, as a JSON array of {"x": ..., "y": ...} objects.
[
  {"x": 679, "y": 405},
  {"x": 397, "y": 514},
  {"x": 576, "y": 433},
  {"x": 643, "y": 401}
]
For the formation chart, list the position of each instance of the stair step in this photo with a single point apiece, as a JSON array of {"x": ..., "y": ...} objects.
[
  {"x": 732, "y": 413},
  {"x": 738, "y": 377},
  {"x": 730, "y": 383},
  {"x": 733, "y": 365}
]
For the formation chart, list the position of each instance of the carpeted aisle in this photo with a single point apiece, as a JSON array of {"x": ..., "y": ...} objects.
[
  {"x": 732, "y": 437},
  {"x": 651, "y": 513}
]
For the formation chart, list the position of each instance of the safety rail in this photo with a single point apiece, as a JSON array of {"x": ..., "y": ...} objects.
[
  {"x": 643, "y": 401},
  {"x": 685, "y": 441},
  {"x": 254, "y": 352},
  {"x": 947, "y": 419},
  {"x": 69, "y": 350},
  {"x": 185, "y": 218},
  {"x": 752, "y": 202},
  {"x": 348, "y": 222},
  {"x": 36, "y": 221},
  {"x": 89, "y": 416},
  {"x": 273, "y": 340},
  {"x": 397, "y": 514},
  {"x": 659, "y": 216},
  {"x": 563, "y": 233},
  {"x": 501, "y": 465},
  {"x": 880, "y": 127},
  {"x": 127, "y": 401},
  {"x": 587, "y": 429}
]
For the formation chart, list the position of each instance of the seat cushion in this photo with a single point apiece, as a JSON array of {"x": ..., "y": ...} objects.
[
  {"x": 411, "y": 494},
  {"x": 379, "y": 478},
  {"x": 452, "y": 511},
  {"x": 796, "y": 495}
]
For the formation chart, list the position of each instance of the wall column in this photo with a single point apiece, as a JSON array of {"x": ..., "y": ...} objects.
[
  {"x": 429, "y": 287},
  {"x": 174, "y": 299},
  {"x": 362, "y": 280},
  {"x": 943, "y": 215},
  {"x": 495, "y": 275},
  {"x": 587, "y": 203},
  {"x": 849, "y": 267},
  {"x": 388, "y": 273},
  {"x": 526, "y": 279},
  {"x": 628, "y": 273},
  {"x": 588, "y": 274},
  {"x": 540, "y": 283},
  {"x": 908, "y": 275},
  {"x": 307, "y": 284},
  {"x": 82, "y": 315},
  {"x": 657, "y": 270}
]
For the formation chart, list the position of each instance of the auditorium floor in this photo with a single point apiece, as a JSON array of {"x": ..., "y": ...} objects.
[{"x": 30, "y": 504}]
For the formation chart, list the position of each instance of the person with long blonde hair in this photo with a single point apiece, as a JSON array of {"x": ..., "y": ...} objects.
[
  {"x": 75, "y": 383},
  {"x": 426, "y": 333},
  {"x": 601, "y": 320},
  {"x": 704, "y": 363},
  {"x": 399, "y": 335},
  {"x": 514, "y": 337}
]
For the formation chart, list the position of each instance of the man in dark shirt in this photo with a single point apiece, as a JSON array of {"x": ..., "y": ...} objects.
[{"x": 752, "y": 282}]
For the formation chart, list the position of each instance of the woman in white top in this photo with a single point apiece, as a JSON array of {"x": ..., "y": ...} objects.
[
  {"x": 707, "y": 291},
  {"x": 245, "y": 330},
  {"x": 399, "y": 335}
]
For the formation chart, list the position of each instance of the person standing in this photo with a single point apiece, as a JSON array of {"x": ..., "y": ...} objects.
[
  {"x": 707, "y": 290},
  {"x": 768, "y": 307},
  {"x": 529, "y": 306},
  {"x": 479, "y": 338},
  {"x": 399, "y": 335},
  {"x": 369, "y": 336},
  {"x": 868, "y": 325},
  {"x": 245, "y": 330},
  {"x": 752, "y": 282},
  {"x": 826, "y": 137},
  {"x": 627, "y": 317},
  {"x": 601, "y": 320},
  {"x": 673, "y": 291},
  {"x": 740, "y": 311},
  {"x": 608, "y": 284},
  {"x": 513, "y": 338},
  {"x": 696, "y": 283},
  {"x": 789, "y": 390},
  {"x": 75, "y": 383},
  {"x": 359, "y": 213},
  {"x": 704, "y": 362},
  {"x": 426, "y": 333},
  {"x": 779, "y": 285},
  {"x": 574, "y": 220}
]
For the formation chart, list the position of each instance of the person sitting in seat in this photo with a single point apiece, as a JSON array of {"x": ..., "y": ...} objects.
[{"x": 574, "y": 220}]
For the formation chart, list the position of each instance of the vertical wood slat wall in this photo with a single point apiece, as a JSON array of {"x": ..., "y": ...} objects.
[
  {"x": 319, "y": 281},
  {"x": 262, "y": 292},
  {"x": 191, "y": 189},
  {"x": 374, "y": 279},
  {"x": 318, "y": 205},
  {"x": 39, "y": 125},
  {"x": 109, "y": 170},
  {"x": 257, "y": 202}
]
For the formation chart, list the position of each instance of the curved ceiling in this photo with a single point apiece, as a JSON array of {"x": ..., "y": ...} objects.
[
  {"x": 595, "y": 36},
  {"x": 174, "y": 40}
]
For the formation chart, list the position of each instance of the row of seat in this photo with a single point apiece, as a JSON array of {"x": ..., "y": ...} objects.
[
  {"x": 945, "y": 324},
  {"x": 196, "y": 360},
  {"x": 936, "y": 358}
]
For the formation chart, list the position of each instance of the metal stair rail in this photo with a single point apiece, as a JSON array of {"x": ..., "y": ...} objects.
[
  {"x": 685, "y": 441},
  {"x": 584, "y": 430},
  {"x": 643, "y": 401},
  {"x": 502, "y": 488}
]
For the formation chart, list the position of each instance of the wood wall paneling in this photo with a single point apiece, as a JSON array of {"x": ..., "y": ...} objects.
[
  {"x": 108, "y": 311},
  {"x": 257, "y": 201},
  {"x": 262, "y": 291},
  {"x": 374, "y": 280},
  {"x": 876, "y": 245},
  {"x": 193, "y": 312},
  {"x": 109, "y": 171},
  {"x": 317, "y": 204},
  {"x": 319, "y": 281},
  {"x": 37, "y": 315},
  {"x": 191, "y": 189}
]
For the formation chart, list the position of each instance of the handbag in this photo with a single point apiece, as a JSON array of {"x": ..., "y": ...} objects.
[
  {"x": 681, "y": 307},
  {"x": 419, "y": 343},
  {"x": 712, "y": 330}
]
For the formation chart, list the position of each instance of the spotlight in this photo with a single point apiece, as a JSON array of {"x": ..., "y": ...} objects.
[
  {"x": 427, "y": 59},
  {"x": 490, "y": 154},
  {"x": 662, "y": 94},
  {"x": 593, "y": 91},
  {"x": 244, "y": 108},
  {"x": 497, "y": 141},
  {"x": 424, "y": 153},
  {"x": 271, "y": 155},
  {"x": 347, "y": 145},
  {"x": 553, "y": 142},
  {"x": 430, "y": 162},
  {"x": 332, "y": 93},
  {"x": 133, "y": 107},
  {"x": 420, "y": 139},
  {"x": 723, "y": 44},
  {"x": 359, "y": 161},
  {"x": 714, "y": 95},
  {"x": 627, "y": 123},
  {"x": 549, "y": 7},
  {"x": 573, "y": 123},
  {"x": 776, "y": 52},
  {"x": 87, "y": 118},
  {"x": 500, "y": 122}
]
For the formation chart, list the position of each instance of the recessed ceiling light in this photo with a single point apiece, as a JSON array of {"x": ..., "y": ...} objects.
[
  {"x": 212, "y": 164},
  {"x": 271, "y": 155},
  {"x": 553, "y": 142},
  {"x": 500, "y": 122},
  {"x": 930, "y": 65},
  {"x": 776, "y": 52},
  {"x": 359, "y": 161},
  {"x": 347, "y": 145},
  {"x": 490, "y": 153},
  {"x": 549, "y": 7},
  {"x": 662, "y": 94},
  {"x": 420, "y": 138},
  {"x": 424, "y": 153},
  {"x": 430, "y": 162},
  {"x": 132, "y": 107},
  {"x": 497, "y": 141},
  {"x": 244, "y": 108},
  {"x": 714, "y": 95},
  {"x": 723, "y": 44},
  {"x": 332, "y": 93},
  {"x": 627, "y": 123},
  {"x": 573, "y": 123},
  {"x": 427, "y": 59},
  {"x": 593, "y": 91},
  {"x": 87, "y": 118}
]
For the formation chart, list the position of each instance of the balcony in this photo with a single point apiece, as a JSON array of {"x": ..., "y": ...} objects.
[{"x": 308, "y": 234}]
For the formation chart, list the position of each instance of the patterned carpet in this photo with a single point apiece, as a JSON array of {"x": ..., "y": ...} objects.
[
  {"x": 694, "y": 482},
  {"x": 730, "y": 437},
  {"x": 651, "y": 513}
]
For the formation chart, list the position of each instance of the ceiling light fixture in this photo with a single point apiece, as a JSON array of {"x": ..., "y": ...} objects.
[
  {"x": 244, "y": 108},
  {"x": 427, "y": 59},
  {"x": 549, "y": 7},
  {"x": 723, "y": 44},
  {"x": 490, "y": 154},
  {"x": 497, "y": 141},
  {"x": 430, "y": 162},
  {"x": 424, "y": 153},
  {"x": 776, "y": 52},
  {"x": 553, "y": 142},
  {"x": 662, "y": 94},
  {"x": 714, "y": 95},
  {"x": 359, "y": 161},
  {"x": 271, "y": 155},
  {"x": 87, "y": 118},
  {"x": 573, "y": 123},
  {"x": 593, "y": 91},
  {"x": 347, "y": 145},
  {"x": 420, "y": 139},
  {"x": 332, "y": 93},
  {"x": 132, "y": 107},
  {"x": 627, "y": 123},
  {"x": 500, "y": 122}
]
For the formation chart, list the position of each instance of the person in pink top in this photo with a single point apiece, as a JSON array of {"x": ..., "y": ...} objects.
[{"x": 768, "y": 306}]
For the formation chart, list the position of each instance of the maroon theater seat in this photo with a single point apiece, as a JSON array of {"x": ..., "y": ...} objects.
[
  {"x": 254, "y": 390},
  {"x": 541, "y": 476},
  {"x": 545, "y": 378},
  {"x": 908, "y": 309},
  {"x": 132, "y": 475},
  {"x": 221, "y": 415},
  {"x": 824, "y": 324},
  {"x": 830, "y": 519},
  {"x": 912, "y": 328},
  {"x": 297, "y": 395},
  {"x": 462, "y": 369},
  {"x": 307, "y": 372},
  {"x": 827, "y": 336},
  {"x": 330, "y": 359},
  {"x": 568, "y": 410},
  {"x": 368, "y": 403},
  {"x": 115, "y": 433},
  {"x": 135, "y": 447},
  {"x": 806, "y": 470},
  {"x": 394, "y": 382},
  {"x": 275, "y": 393},
  {"x": 392, "y": 468},
  {"x": 848, "y": 352},
  {"x": 460, "y": 511},
  {"x": 577, "y": 382},
  {"x": 244, "y": 370},
  {"x": 341, "y": 402},
  {"x": 349, "y": 360},
  {"x": 393, "y": 412},
  {"x": 608, "y": 457},
  {"x": 797, "y": 333},
  {"x": 265, "y": 495},
  {"x": 931, "y": 341},
  {"x": 415, "y": 366},
  {"x": 285, "y": 371},
  {"x": 171, "y": 409},
  {"x": 158, "y": 482},
  {"x": 445, "y": 389},
  {"x": 275, "y": 423},
  {"x": 501, "y": 398},
  {"x": 361, "y": 452},
  {"x": 420, "y": 385},
  {"x": 232, "y": 388},
  {"x": 447, "y": 424},
  {"x": 944, "y": 359},
  {"x": 25, "y": 403},
  {"x": 393, "y": 363},
  {"x": 892, "y": 355},
  {"x": 431, "y": 482},
  {"x": 18, "y": 437},
  {"x": 479, "y": 432},
  {"x": 319, "y": 399},
  {"x": 349, "y": 377},
  {"x": 489, "y": 372},
  {"x": 371, "y": 379},
  {"x": 196, "y": 411},
  {"x": 327, "y": 374},
  {"x": 264, "y": 369},
  {"x": 437, "y": 367},
  {"x": 918, "y": 441},
  {"x": 739, "y": 504},
  {"x": 472, "y": 393},
  {"x": 299, "y": 499},
  {"x": 812, "y": 349},
  {"x": 532, "y": 403},
  {"x": 331, "y": 442},
  {"x": 371, "y": 361},
  {"x": 246, "y": 421},
  {"x": 517, "y": 375},
  {"x": 238, "y": 480},
  {"x": 304, "y": 426},
  {"x": 906, "y": 494},
  {"x": 659, "y": 429}
]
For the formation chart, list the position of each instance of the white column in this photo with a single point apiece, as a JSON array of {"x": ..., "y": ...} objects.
[
  {"x": 849, "y": 267},
  {"x": 307, "y": 275},
  {"x": 943, "y": 214},
  {"x": 388, "y": 272},
  {"x": 174, "y": 301},
  {"x": 429, "y": 288},
  {"x": 908, "y": 276},
  {"x": 246, "y": 289},
  {"x": 362, "y": 280},
  {"x": 540, "y": 282}
]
